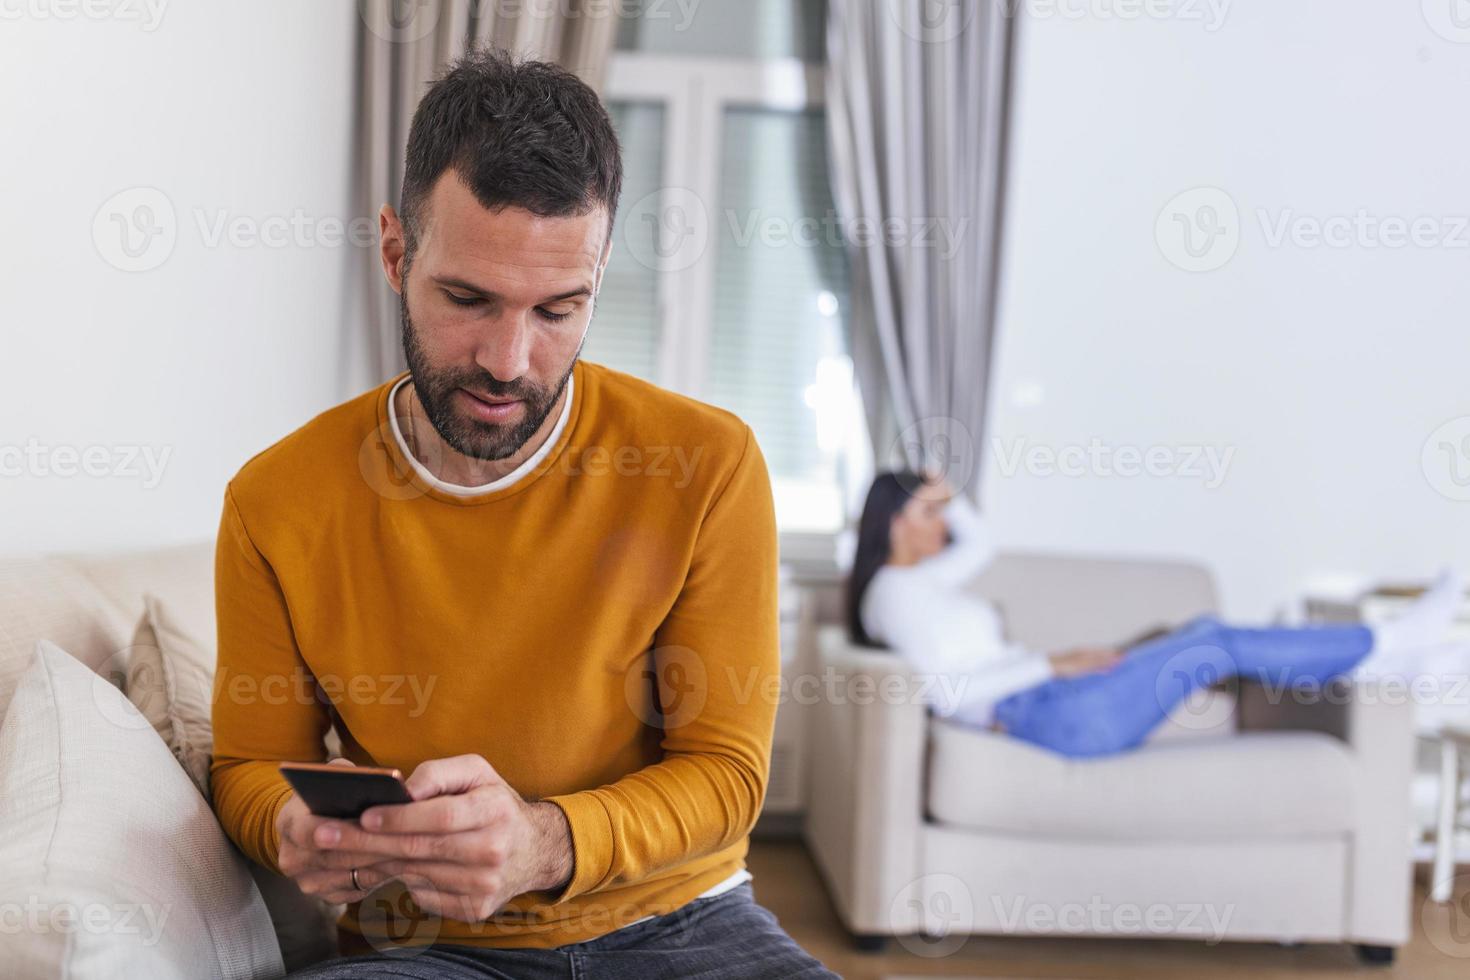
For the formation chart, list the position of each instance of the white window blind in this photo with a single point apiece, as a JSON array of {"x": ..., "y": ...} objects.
[
  {"x": 728, "y": 279},
  {"x": 625, "y": 325},
  {"x": 778, "y": 355}
]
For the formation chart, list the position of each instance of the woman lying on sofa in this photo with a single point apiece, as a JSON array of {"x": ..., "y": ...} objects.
[{"x": 919, "y": 544}]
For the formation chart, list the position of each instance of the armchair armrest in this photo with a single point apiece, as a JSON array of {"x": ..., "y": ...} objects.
[
  {"x": 1380, "y": 728},
  {"x": 869, "y": 736},
  {"x": 1375, "y": 717}
]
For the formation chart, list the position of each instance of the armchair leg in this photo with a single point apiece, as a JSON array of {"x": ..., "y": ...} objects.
[
  {"x": 870, "y": 943},
  {"x": 1376, "y": 955}
]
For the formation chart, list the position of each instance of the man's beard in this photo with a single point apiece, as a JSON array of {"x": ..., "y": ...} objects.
[{"x": 472, "y": 437}]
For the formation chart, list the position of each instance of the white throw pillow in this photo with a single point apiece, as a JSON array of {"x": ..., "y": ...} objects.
[
  {"x": 170, "y": 679},
  {"x": 112, "y": 858}
]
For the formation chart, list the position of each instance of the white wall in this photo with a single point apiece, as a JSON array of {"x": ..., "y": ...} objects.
[
  {"x": 1326, "y": 369},
  {"x": 241, "y": 110}
]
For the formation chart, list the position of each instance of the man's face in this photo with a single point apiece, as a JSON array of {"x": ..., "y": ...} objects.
[{"x": 495, "y": 307}]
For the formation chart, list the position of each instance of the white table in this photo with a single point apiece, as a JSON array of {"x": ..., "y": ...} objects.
[
  {"x": 1454, "y": 751},
  {"x": 1444, "y": 728}
]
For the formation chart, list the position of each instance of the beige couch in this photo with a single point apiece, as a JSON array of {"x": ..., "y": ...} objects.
[
  {"x": 90, "y": 605},
  {"x": 1218, "y": 829},
  {"x": 1240, "y": 820}
]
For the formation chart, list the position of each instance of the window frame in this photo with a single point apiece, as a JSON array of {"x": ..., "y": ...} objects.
[{"x": 694, "y": 93}]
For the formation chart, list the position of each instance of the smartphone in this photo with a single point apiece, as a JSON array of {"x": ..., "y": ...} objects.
[{"x": 344, "y": 792}]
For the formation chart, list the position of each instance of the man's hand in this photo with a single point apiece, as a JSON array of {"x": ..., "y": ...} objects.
[
  {"x": 301, "y": 859},
  {"x": 467, "y": 844},
  {"x": 1084, "y": 660}
]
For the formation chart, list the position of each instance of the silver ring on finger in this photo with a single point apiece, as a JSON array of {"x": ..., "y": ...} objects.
[{"x": 356, "y": 885}]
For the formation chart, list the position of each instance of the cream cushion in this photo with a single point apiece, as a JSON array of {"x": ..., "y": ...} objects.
[
  {"x": 89, "y": 604},
  {"x": 169, "y": 678},
  {"x": 42, "y": 599},
  {"x": 109, "y": 850},
  {"x": 1257, "y": 785}
]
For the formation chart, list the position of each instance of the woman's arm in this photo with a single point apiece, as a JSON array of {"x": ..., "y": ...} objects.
[{"x": 969, "y": 553}]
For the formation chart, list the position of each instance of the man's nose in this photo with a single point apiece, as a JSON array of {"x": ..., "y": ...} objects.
[{"x": 505, "y": 350}]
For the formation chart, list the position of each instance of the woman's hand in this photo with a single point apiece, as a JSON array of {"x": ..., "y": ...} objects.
[
  {"x": 936, "y": 487},
  {"x": 1084, "y": 660}
]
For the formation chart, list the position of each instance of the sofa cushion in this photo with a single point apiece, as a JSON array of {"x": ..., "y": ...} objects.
[
  {"x": 110, "y": 849},
  {"x": 43, "y": 599},
  {"x": 169, "y": 679},
  {"x": 88, "y": 604},
  {"x": 182, "y": 576},
  {"x": 1054, "y": 601},
  {"x": 1254, "y": 784}
]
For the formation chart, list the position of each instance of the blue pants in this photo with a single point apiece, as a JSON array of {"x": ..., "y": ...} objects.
[
  {"x": 720, "y": 938},
  {"x": 1104, "y": 713}
]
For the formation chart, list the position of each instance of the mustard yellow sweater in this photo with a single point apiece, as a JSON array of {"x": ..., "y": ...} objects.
[{"x": 527, "y": 625}]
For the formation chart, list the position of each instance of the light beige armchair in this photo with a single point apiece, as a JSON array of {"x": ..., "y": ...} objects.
[{"x": 1243, "y": 818}]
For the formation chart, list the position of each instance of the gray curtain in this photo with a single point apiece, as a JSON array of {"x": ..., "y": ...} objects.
[
  {"x": 403, "y": 45},
  {"x": 917, "y": 98}
]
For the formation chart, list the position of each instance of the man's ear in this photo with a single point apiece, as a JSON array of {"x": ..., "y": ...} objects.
[{"x": 392, "y": 245}]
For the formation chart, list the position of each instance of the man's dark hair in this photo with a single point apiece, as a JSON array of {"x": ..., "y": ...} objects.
[{"x": 519, "y": 133}]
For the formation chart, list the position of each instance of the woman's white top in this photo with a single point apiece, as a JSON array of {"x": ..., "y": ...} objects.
[{"x": 952, "y": 639}]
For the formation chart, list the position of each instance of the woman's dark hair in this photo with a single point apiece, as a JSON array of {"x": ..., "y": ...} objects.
[
  {"x": 886, "y": 497},
  {"x": 527, "y": 134}
]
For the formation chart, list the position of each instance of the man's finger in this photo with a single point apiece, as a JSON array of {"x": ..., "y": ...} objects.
[
  {"x": 301, "y": 829},
  {"x": 449, "y": 814},
  {"x": 315, "y": 859},
  {"x": 311, "y": 831},
  {"x": 471, "y": 846},
  {"x": 439, "y": 889},
  {"x": 457, "y": 774},
  {"x": 458, "y": 879},
  {"x": 447, "y": 905}
]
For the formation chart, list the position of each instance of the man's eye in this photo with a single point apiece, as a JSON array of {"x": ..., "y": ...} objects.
[
  {"x": 463, "y": 300},
  {"x": 553, "y": 317}
]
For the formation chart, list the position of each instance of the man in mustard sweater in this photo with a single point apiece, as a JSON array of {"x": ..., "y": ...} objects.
[{"x": 543, "y": 588}]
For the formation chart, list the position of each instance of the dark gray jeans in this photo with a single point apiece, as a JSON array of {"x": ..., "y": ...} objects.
[{"x": 723, "y": 937}]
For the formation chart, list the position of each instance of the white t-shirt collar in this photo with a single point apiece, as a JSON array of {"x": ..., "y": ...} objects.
[{"x": 509, "y": 479}]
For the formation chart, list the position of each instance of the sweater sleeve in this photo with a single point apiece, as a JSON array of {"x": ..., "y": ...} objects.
[
  {"x": 971, "y": 549},
  {"x": 265, "y": 709},
  {"x": 716, "y": 660}
]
